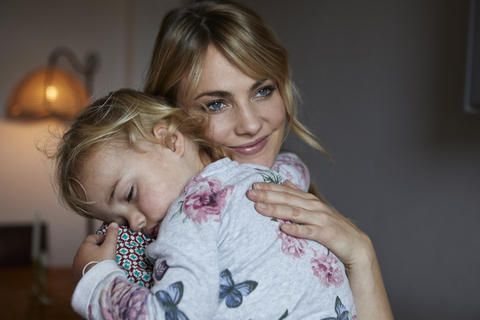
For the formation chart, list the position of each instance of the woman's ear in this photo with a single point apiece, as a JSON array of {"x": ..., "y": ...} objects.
[{"x": 176, "y": 142}]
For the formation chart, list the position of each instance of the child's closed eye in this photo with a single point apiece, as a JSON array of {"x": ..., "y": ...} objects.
[{"x": 131, "y": 194}]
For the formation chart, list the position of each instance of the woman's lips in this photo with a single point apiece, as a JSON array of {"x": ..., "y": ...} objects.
[{"x": 252, "y": 147}]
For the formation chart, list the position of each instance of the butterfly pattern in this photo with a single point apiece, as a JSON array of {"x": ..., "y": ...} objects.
[
  {"x": 170, "y": 299},
  {"x": 234, "y": 293},
  {"x": 341, "y": 311},
  {"x": 284, "y": 315},
  {"x": 160, "y": 270}
]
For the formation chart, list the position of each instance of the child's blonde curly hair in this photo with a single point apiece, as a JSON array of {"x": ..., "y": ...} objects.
[{"x": 126, "y": 116}]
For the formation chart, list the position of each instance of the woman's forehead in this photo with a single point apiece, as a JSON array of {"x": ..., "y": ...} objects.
[{"x": 216, "y": 73}]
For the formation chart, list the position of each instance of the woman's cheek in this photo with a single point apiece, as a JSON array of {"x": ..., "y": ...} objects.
[{"x": 219, "y": 129}]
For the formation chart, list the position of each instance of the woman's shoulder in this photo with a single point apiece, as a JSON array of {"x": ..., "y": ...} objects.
[{"x": 294, "y": 169}]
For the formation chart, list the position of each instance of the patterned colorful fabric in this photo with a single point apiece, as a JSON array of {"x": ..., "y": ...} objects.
[{"x": 131, "y": 257}]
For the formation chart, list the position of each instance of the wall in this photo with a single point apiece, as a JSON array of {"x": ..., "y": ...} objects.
[
  {"x": 122, "y": 33},
  {"x": 383, "y": 86}
]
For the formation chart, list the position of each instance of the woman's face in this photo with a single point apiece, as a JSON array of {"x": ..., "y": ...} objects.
[{"x": 246, "y": 115}]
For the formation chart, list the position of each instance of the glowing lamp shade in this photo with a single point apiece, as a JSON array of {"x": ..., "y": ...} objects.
[{"x": 48, "y": 91}]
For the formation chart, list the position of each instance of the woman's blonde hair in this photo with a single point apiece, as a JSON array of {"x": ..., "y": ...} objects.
[
  {"x": 236, "y": 31},
  {"x": 129, "y": 117}
]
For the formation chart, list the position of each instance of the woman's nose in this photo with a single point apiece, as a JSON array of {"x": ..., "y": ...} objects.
[{"x": 247, "y": 120}]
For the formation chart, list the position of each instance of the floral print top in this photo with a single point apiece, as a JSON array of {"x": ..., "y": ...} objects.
[
  {"x": 131, "y": 245},
  {"x": 217, "y": 258}
]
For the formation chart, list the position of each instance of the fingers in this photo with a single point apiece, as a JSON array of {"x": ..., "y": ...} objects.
[
  {"x": 290, "y": 207},
  {"x": 111, "y": 236},
  {"x": 287, "y": 188},
  {"x": 109, "y": 246},
  {"x": 313, "y": 219},
  {"x": 283, "y": 195},
  {"x": 95, "y": 239},
  {"x": 95, "y": 247},
  {"x": 299, "y": 231},
  {"x": 288, "y": 183},
  {"x": 306, "y": 231}
]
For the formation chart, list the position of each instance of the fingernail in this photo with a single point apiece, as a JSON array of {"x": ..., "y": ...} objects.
[
  {"x": 113, "y": 225},
  {"x": 262, "y": 205},
  {"x": 257, "y": 186},
  {"x": 253, "y": 192},
  {"x": 286, "y": 226}
]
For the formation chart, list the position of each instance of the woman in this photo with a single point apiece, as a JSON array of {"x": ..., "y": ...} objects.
[{"x": 223, "y": 56}]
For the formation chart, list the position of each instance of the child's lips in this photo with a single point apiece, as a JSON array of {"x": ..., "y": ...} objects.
[{"x": 152, "y": 232}]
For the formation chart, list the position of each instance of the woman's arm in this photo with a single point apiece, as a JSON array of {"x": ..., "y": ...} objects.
[{"x": 321, "y": 223}]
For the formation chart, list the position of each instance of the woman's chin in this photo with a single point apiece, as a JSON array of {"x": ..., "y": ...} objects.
[{"x": 264, "y": 159}]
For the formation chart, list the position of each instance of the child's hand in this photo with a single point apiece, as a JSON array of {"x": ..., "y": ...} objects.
[{"x": 95, "y": 247}]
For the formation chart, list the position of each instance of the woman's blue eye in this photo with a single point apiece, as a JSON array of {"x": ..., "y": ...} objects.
[
  {"x": 215, "y": 105},
  {"x": 265, "y": 91}
]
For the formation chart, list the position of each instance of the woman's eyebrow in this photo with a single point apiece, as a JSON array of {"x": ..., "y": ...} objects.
[
  {"x": 257, "y": 84},
  {"x": 226, "y": 94},
  {"x": 217, "y": 93}
]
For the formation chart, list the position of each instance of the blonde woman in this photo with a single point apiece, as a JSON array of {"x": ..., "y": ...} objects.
[
  {"x": 131, "y": 158},
  {"x": 223, "y": 56}
]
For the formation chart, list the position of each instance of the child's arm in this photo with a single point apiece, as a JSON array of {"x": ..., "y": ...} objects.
[
  {"x": 104, "y": 291},
  {"x": 186, "y": 273},
  {"x": 95, "y": 247},
  {"x": 88, "y": 274},
  {"x": 293, "y": 169}
]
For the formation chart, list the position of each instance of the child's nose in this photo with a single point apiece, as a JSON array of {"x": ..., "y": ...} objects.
[{"x": 136, "y": 221}]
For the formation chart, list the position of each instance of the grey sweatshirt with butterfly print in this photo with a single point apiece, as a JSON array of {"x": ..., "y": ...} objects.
[{"x": 217, "y": 258}]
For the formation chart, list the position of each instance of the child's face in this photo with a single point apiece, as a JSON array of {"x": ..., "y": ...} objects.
[{"x": 132, "y": 187}]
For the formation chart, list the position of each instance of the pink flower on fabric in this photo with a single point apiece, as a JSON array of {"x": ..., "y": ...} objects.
[
  {"x": 208, "y": 201},
  {"x": 191, "y": 183},
  {"x": 328, "y": 269},
  {"x": 124, "y": 300},
  {"x": 292, "y": 246},
  {"x": 287, "y": 160}
]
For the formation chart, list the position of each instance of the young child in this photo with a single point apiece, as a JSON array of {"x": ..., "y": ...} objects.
[
  {"x": 131, "y": 158},
  {"x": 131, "y": 246}
]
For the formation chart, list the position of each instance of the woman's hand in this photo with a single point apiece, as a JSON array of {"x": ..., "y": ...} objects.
[
  {"x": 95, "y": 247},
  {"x": 317, "y": 221}
]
